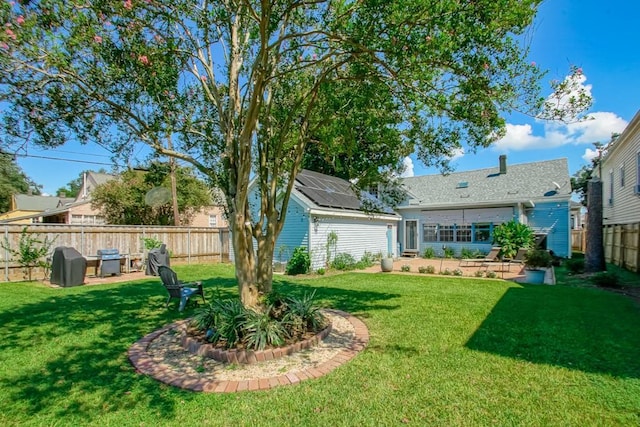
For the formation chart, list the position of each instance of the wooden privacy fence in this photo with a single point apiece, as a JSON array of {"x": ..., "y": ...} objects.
[
  {"x": 621, "y": 244},
  {"x": 186, "y": 244},
  {"x": 578, "y": 240}
]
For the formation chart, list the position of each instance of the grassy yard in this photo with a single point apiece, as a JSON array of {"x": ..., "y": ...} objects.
[{"x": 443, "y": 351}]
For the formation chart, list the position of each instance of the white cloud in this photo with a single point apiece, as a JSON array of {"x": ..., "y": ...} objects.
[
  {"x": 408, "y": 168},
  {"x": 456, "y": 154},
  {"x": 589, "y": 154},
  {"x": 597, "y": 128}
]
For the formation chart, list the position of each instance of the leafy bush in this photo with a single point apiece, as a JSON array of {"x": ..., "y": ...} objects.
[
  {"x": 429, "y": 253},
  {"x": 457, "y": 272},
  {"x": 321, "y": 271},
  {"x": 344, "y": 261},
  {"x": 511, "y": 236},
  {"x": 405, "y": 268},
  {"x": 429, "y": 269},
  {"x": 466, "y": 253},
  {"x": 367, "y": 260},
  {"x": 449, "y": 252},
  {"x": 304, "y": 314},
  {"x": 575, "y": 266},
  {"x": 491, "y": 274},
  {"x": 606, "y": 279},
  {"x": 479, "y": 273},
  {"x": 30, "y": 252},
  {"x": 300, "y": 261},
  {"x": 151, "y": 243},
  {"x": 446, "y": 272},
  {"x": 537, "y": 258},
  {"x": 221, "y": 320}
]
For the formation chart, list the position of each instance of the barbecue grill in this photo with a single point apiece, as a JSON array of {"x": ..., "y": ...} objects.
[{"x": 109, "y": 262}]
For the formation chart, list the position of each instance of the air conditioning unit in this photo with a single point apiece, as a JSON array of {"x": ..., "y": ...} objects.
[{"x": 610, "y": 202}]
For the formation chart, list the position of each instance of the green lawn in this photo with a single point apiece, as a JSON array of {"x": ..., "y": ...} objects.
[{"x": 443, "y": 351}]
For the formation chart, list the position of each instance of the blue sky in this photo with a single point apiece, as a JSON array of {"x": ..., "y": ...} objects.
[{"x": 599, "y": 36}]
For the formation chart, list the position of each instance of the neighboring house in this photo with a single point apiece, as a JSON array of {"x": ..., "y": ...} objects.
[
  {"x": 577, "y": 215},
  {"x": 323, "y": 205},
  {"x": 26, "y": 209},
  {"x": 620, "y": 169},
  {"x": 460, "y": 210},
  {"x": 56, "y": 210}
]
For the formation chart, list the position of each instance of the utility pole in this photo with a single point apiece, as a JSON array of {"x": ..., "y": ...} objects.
[{"x": 174, "y": 187}]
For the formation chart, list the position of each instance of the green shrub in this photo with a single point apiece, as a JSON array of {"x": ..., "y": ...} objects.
[
  {"x": 405, "y": 268},
  {"x": 344, "y": 261},
  {"x": 575, "y": 266},
  {"x": 606, "y": 279},
  {"x": 449, "y": 252},
  {"x": 457, "y": 272},
  {"x": 479, "y": 273},
  {"x": 428, "y": 269},
  {"x": 304, "y": 315},
  {"x": 367, "y": 260},
  {"x": 429, "y": 253},
  {"x": 446, "y": 272},
  {"x": 320, "y": 271},
  {"x": 299, "y": 262},
  {"x": 30, "y": 252},
  {"x": 491, "y": 274},
  {"x": 511, "y": 236},
  {"x": 466, "y": 253}
]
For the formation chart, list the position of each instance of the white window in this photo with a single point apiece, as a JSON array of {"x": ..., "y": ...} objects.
[{"x": 213, "y": 220}]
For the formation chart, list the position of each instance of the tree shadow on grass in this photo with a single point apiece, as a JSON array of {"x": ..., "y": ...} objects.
[
  {"x": 588, "y": 331},
  {"x": 78, "y": 341},
  {"x": 353, "y": 301}
]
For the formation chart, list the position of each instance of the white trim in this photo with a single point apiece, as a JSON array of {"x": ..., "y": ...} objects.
[{"x": 353, "y": 214}]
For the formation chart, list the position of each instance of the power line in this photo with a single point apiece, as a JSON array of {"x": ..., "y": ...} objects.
[
  {"x": 83, "y": 154},
  {"x": 56, "y": 158}
]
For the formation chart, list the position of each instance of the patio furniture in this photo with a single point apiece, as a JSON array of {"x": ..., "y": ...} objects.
[
  {"x": 519, "y": 258},
  {"x": 491, "y": 256},
  {"x": 177, "y": 289}
]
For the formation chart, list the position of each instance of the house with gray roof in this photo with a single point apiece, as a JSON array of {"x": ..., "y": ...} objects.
[{"x": 460, "y": 210}]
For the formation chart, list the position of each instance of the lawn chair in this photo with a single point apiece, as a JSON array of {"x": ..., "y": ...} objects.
[
  {"x": 491, "y": 256},
  {"x": 178, "y": 289},
  {"x": 519, "y": 258}
]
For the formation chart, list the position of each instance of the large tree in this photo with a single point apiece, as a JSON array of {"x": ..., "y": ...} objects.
[
  {"x": 242, "y": 88},
  {"x": 144, "y": 196},
  {"x": 13, "y": 181}
]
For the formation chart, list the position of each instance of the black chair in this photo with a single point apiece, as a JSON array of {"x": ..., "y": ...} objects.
[{"x": 178, "y": 289}]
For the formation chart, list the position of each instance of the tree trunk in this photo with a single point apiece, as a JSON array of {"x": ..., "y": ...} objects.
[
  {"x": 594, "y": 255},
  {"x": 245, "y": 262}
]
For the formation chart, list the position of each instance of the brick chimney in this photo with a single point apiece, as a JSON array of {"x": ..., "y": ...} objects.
[{"x": 503, "y": 164}]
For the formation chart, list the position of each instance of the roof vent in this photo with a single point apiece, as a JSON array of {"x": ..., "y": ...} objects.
[
  {"x": 462, "y": 184},
  {"x": 503, "y": 164}
]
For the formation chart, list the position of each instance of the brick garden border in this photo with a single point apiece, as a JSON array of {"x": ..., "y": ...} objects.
[{"x": 145, "y": 365}]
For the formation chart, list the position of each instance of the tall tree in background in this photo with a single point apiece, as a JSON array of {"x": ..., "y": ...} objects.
[
  {"x": 126, "y": 200},
  {"x": 13, "y": 181},
  {"x": 242, "y": 88}
]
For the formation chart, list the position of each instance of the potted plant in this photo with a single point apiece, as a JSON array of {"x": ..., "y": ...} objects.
[
  {"x": 386, "y": 263},
  {"x": 536, "y": 262}
]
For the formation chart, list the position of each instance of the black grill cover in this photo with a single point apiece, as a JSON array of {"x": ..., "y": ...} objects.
[
  {"x": 155, "y": 258},
  {"x": 68, "y": 267}
]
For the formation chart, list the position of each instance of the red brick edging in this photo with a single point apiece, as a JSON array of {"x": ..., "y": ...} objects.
[{"x": 144, "y": 364}]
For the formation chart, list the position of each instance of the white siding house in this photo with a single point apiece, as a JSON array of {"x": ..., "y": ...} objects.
[
  {"x": 620, "y": 168},
  {"x": 321, "y": 205}
]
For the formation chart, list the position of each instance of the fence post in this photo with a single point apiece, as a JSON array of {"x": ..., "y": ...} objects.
[
  {"x": 6, "y": 254},
  {"x": 189, "y": 245}
]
